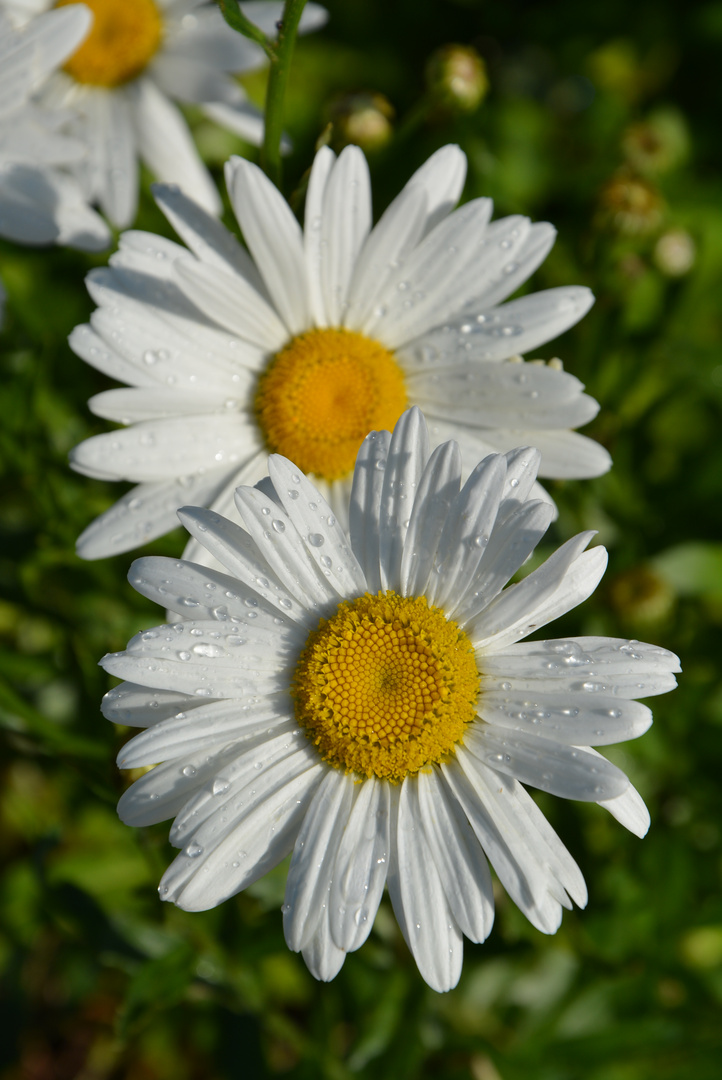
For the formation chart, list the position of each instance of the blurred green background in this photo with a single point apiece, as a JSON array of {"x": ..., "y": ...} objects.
[{"x": 604, "y": 119}]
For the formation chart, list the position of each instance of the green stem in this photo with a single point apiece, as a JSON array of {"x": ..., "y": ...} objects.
[
  {"x": 280, "y": 56},
  {"x": 235, "y": 18}
]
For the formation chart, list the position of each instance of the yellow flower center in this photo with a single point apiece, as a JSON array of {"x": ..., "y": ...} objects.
[
  {"x": 386, "y": 686},
  {"x": 323, "y": 393},
  {"x": 124, "y": 36}
]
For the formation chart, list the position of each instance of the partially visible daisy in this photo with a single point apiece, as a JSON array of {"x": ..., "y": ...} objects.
[
  {"x": 366, "y": 703},
  {"x": 310, "y": 339},
  {"x": 139, "y": 55},
  {"x": 40, "y": 202}
]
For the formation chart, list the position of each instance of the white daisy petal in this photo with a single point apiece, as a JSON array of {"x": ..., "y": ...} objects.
[
  {"x": 595, "y": 665},
  {"x": 510, "y": 545},
  {"x": 364, "y": 508},
  {"x": 324, "y": 539},
  {"x": 189, "y": 79},
  {"x": 399, "y": 230},
  {"x": 147, "y": 253},
  {"x": 274, "y": 239},
  {"x": 249, "y": 769},
  {"x": 112, "y": 155},
  {"x": 162, "y": 792},
  {"x": 153, "y": 350},
  {"x": 165, "y": 143},
  {"x": 438, "y": 489},
  {"x": 202, "y": 592},
  {"x": 209, "y": 241},
  {"x": 232, "y": 302},
  {"x": 467, "y": 531},
  {"x": 425, "y": 290},
  {"x": 407, "y": 455},
  {"x": 441, "y": 178},
  {"x": 310, "y": 874},
  {"x": 136, "y": 706},
  {"x": 570, "y": 884},
  {"x": 580, "y": 582},
  {"x": 536, "y": 244},
  {"x": 222, "y": 506},
  {"x": 235, "y": 550},
  {"x": 44, "y": 42},
  {"x": 312, "y": 234},
  {"x": 551, "y": 766},
  {"x": 630, "y": 811},
  {"x": 345, "y": 224},
  {"x": 522, "y": 465},
  {"x": 565, "y": 717},
  {"x": 284, "y": 548},
  {"x": 182, "y": 735},
  {"x": 565, "y": 454},
  {"x": 509, "y": 839},
  {"x": 489, "y": 395},
  {"x": 242, "y": 118},
  {"x": 495, "y": 333},
  {"x": 267, "y": 645},
  {"x": 118, "y": 284},
  {"x": 416, "y": 891},
  {"x": 196, "y": 881},
  {"x": 361, "y": 866},
  {"x": 201, "y": 680},
  {"x": 458, "y": 857},
  {"x": 161, "y": 449},
  {"x": 128, "y": 406},
  {"x": 522, "y": 608},
  {"x": 323, "y": 957},
  {"x": 145, "y": 512}
]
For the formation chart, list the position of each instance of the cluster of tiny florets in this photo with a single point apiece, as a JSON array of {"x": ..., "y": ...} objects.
[{"x": 386, "y": 686}]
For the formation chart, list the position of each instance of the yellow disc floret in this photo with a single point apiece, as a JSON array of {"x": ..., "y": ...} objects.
[
  {"x": 323, "y": 393},
  {"x": 386, "y": 686},
  {"x": 124, "y": 37}
]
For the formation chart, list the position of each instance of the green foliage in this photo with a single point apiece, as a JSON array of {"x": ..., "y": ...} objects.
[{"x": 104, "y": 981}]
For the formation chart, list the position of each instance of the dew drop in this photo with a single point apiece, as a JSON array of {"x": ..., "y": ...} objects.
[{"x": 209, "y": 650}]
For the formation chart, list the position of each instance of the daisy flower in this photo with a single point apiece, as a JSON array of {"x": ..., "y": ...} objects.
[
  {"x": 40, "y": 203},
  {"x": 119, "y": 83},
  {"x": 366, "y": 703},
  {"x": 308, "y": 340}
]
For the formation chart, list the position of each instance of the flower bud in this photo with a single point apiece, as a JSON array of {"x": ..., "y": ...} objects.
[
  {"x": 675, "y": 252},
  {"x": 364, "y": 119},
  {"x": 641, "y": 597},
  {"x": 457, "y": 74},
  {"x": 630, "y": 205},
  {"x": 657, "y": 144}
]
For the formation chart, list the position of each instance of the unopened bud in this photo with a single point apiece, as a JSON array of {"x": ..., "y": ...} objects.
[
  {"x": 364, "y": 119},
  {"x": 657, "y": 144},
  {"x": 641, "y": 597},
  {"x": 630, "y": 205},
  {"x": 457, "y": 74},
  {"x": 674, "y": 253}
]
